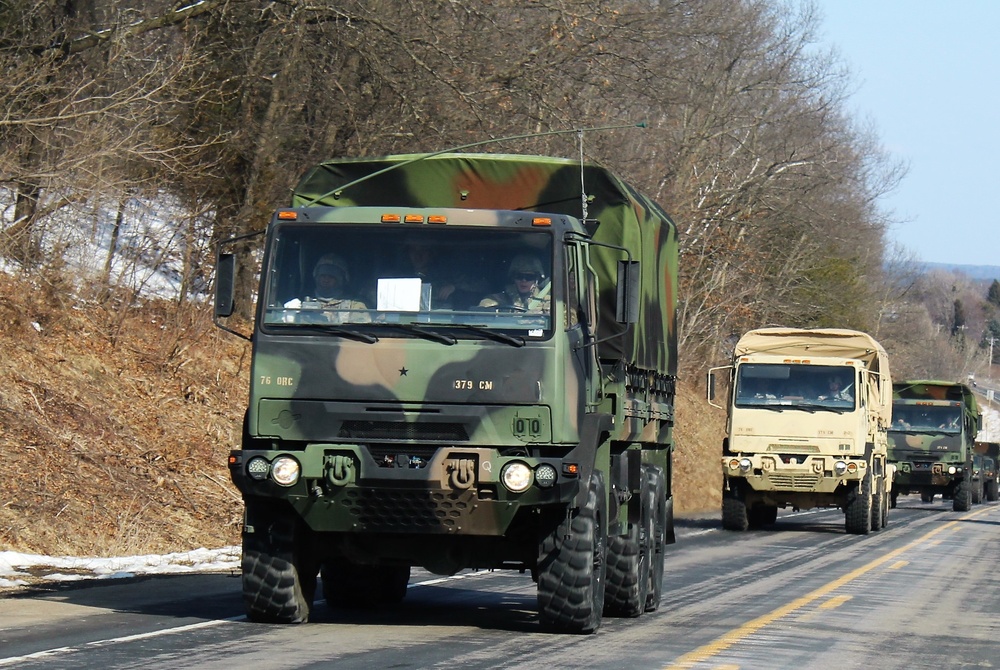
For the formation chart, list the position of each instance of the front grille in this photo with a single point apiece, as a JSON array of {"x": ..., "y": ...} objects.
[
  {"x": 804, "y": 482},
  {"x": 405, "y": 511},
  {"x": 401, "y": 430}
]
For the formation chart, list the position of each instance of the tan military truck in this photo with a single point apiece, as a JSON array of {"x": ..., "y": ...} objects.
[{"x": 808, "y": 412}]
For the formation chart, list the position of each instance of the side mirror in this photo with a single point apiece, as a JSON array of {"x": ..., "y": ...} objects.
[
  {"x": 710, "y": 386},
  {"x": 627, "y": 295},
  {"x": 225, "y": 284}
]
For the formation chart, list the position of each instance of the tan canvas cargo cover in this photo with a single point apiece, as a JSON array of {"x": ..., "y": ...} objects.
[{"x": 833, "y": 342}]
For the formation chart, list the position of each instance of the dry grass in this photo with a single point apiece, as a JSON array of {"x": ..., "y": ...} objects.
[{"x": 115, "y": 424}]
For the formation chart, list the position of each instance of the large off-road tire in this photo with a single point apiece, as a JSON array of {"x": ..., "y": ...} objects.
[
  {"x": 279, "y": 578},
  {"x": 893, "y": 498},
  {"x": 926, "y": 497},
  {"x": 572, "y": 565},
  {"x": 629, "y": 559},
  {"x": 734, "y": 508},
  {"x": 992, "y": 490},
  {"x": 962, "y": 500},
  {"x": 658, "y": 495},
  {"x": 878, "y": 500},
  {"x": 350, "y": 585},
  {"x": 858, "y": 512},
  {"x": 885, "y": 511}
]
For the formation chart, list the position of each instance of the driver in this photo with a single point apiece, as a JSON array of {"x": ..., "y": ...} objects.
[{"x": 524, "y": 291}]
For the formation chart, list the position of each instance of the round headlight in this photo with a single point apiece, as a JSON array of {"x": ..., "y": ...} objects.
[
  {"x": 745, "y": 464},
  {"x": 852, "y": 467},
  {"x": 516, "y": 476},
  {"x": 952, "y": 470},
  {"x": 257, "y": 468},
  {"x": 545, "y": 475},
  {"x": 840, "y": 467},
  {"x": 285, "y": 470}
]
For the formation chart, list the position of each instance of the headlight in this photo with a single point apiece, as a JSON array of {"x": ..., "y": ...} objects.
[
  {"x": 257, "y": 468},
  {"x": 745, "y": 464},
  {"x": 840, "y": 467},
  {"x": 285, "y": 470},
  {"x": 952, "y": 469},
  {"x": 516, "y": 476},
  {"x": 545, "y": 475},
  {"x": 852, "y": 467}
]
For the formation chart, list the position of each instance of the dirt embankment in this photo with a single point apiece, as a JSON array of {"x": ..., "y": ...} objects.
[{"x": 116, "y": 420}]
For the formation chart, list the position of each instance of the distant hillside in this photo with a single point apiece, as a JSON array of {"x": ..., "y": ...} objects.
[{"x": 972, "y": 271}]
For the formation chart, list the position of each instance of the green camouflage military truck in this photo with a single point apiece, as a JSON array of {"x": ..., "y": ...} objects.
[
  {"x": 490, "y": 386},
  {"x": 932, "y": 440},
  {"x": 808, "y": 412},
  {"x": 989, "y": 452}
]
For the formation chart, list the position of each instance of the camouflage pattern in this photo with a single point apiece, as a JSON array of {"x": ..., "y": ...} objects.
[
  {"x": 535, "y": 184},
  {"x": 792, "y": 449},
  {"x": 402, "y": 440},
  {"x": 933, "y": 459}
]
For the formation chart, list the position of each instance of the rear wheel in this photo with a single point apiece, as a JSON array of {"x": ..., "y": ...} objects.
[
  {"x": 858, "y": 514},
  {"x": 926, "y": 497},
  {"x": 658, "y": 494},
  {"x": 977, "y": 493},
  {"x": 992, "y": 490},
  {"x": 629, "y": 562},
  {"x": 877, "y": 501},
  {"x": 279, "y": 578},
  {"x": 572, "y": 567}
]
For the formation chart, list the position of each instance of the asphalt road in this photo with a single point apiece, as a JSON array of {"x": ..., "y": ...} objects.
[{"x": 923, "y": 593}]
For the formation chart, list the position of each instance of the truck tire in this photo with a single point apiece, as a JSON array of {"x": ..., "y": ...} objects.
[
  {"x": 992, "y": 490},
  {"x": 572, "y": 566},
  {"x": 629, "y": 558},
  {"x": 977, "y": 493},
  {"x": 893, "y": 499},
  {"x": 658, "y": 493},
  {"x": 885, "y": 511},
  {"x": 878, "y": 499},
  {"x": 962, "y": 499},
  {"x": 926, "y": 497},
  {"x": 734, "y": 509},
  {"x": 858, "y": 512},
  {"x": 279, "y": 580},
  {"x": 355, "y": 586}
]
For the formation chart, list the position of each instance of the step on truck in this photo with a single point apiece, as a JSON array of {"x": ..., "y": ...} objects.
[
  {"x": 491, "y": 387},
  {"x": 808, "y": 412},
  {"x": 932, "y": 440}
]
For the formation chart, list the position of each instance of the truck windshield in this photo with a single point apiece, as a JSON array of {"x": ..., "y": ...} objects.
[
  {"x": 926, "y": 418},
  {"x": 806, "y": 386},
  {"x": 375, "y": 276}
]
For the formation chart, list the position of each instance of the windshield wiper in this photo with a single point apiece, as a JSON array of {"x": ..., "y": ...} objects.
[
  {"x": 426, "y": 334},
  {"x": 495, "y": 335},
  {"x": 330, "y": 330},
  {"x": 811, "y": 407}
]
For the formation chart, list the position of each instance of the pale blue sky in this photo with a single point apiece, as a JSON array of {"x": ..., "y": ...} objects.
[{"x": 927, "y": 75}]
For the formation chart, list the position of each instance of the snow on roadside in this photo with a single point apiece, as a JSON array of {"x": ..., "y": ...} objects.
[{"x": 17, "y": 569}]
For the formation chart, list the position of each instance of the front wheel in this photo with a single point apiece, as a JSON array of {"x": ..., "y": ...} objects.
[
  {"x": 962, "y": 502},
  {"x": 279, "y": 577},
  {"x": 571, "y": 566},
  {"x": 734, "y": 508}
]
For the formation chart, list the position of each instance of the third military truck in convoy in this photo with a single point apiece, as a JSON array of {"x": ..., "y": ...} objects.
[
  {"x": 808, "y": 412},
  {"x": 460, "y": 361},
  {"x": 932, "y": 440},
  {"x": 989, "y": 455}
]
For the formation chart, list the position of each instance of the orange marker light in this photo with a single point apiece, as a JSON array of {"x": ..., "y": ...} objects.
[
  {"x": 541, "y": 221},
  {"x": 437, "y": 218},
  {"x": 390, "y": 218},
  {"x": 413, "y": 218},
  {"x": 287, "y": 215}
]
